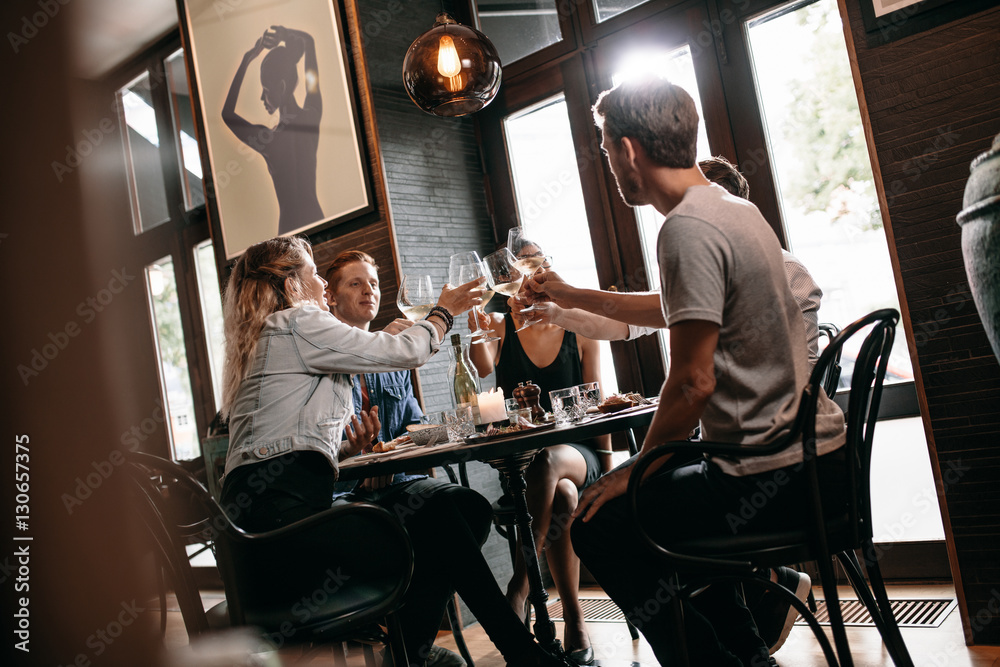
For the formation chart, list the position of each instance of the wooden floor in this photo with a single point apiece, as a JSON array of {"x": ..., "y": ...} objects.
[{"x": 930, "y": 647}]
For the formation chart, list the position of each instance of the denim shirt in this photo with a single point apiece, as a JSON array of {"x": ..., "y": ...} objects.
[
  {"x": 392, "y": 392},
  {"x": 297, "y": 395}
]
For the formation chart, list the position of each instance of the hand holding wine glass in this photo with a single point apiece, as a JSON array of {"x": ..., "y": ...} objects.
[{"x": 474, "y": 272}]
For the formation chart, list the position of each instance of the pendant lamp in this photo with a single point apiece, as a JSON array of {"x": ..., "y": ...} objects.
[{"x": 451, "y": 70}]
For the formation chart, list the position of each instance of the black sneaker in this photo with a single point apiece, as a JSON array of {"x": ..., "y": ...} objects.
[{"x": 774, "y": 615}]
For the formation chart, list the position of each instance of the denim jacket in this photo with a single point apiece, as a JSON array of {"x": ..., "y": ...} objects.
[{"x": 297, "y": 395}]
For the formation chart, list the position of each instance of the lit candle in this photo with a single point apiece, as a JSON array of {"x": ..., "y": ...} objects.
[{"x": 491, "y": 406}]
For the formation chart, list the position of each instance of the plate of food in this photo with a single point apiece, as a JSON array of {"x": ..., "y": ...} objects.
[
  {"x": 396, "y": 444},
  {"x": 619, "y": 402}
]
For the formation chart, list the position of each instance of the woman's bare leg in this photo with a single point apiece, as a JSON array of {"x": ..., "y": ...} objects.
[
  {"x": 550, "y": 466},
  {"x": 565, "y": 566}
]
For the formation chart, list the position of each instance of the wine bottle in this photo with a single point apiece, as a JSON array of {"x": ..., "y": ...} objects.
[{"x": 464, "y": 380}]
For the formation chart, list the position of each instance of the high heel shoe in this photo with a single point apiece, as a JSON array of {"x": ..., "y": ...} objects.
[{"x": 582, "y": 656}]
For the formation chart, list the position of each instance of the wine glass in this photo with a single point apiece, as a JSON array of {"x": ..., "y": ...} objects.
[
  {"x": 516, "y": 241},
  {"x": 415, "y": 297},
  {"x": 527, "y": 264},
  {"x": 501, "y": 273},
  {"x": 463, "y": 267},
  {"x": 471, "y": 272}
]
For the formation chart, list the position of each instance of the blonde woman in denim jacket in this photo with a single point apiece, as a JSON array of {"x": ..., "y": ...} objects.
[{"x": 287, "y": 395}]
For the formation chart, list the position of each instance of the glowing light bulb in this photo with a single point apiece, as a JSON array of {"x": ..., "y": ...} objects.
[{"x": 449, "y": 64}]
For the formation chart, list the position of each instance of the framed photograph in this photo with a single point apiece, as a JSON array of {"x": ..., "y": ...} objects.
[
  {"x": 281, "y": 135},
  {"x": 889, "y": 20}
]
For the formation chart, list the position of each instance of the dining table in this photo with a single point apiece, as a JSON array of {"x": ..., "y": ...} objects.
[{"x": 510, "y": 454}]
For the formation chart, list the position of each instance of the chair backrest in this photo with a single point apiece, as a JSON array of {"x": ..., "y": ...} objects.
[
  {"x": 863, "y": 404},
  {"x": 831, "y": 381},
  {"x": 371, "y": 553},
  {"x": 167, "y": 532}
]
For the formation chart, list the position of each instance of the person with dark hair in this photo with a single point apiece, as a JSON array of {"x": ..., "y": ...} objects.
[
  {"x": 287, "y": 396},
  {"x": 552, "y": 358},
  {"x": 289, "y": 148},
  {"x": 738, "y": 360}
]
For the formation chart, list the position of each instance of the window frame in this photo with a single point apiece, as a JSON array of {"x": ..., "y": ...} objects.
[{"x": 179, "y": 235}]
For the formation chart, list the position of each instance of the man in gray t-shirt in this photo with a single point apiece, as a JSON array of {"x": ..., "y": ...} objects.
[{"x": 738, "y": 363}]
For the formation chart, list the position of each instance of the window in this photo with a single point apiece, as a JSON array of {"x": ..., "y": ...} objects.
[
  {"x": 518, "y": 29},
  {"x": 211, "y": 312},
  {"x": 822, "y": 170},
  {"x": 832, "y": 221},
  {"x": 170, "y": 238},
  {"x": 605, "y": 9},
  {"x": 142, "y": 145},
  {"x": 189, "y": 159},
  {"x": 169, "y": 337}
]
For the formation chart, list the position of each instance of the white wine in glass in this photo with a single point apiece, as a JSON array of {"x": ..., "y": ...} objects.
[
  {"x": 509, "y": 288},
  {"x": 502, "y": 273},
  {"x": 528, "y": 265},
  {"x": 467, "y": 273},
  {"x": 415, "y": 297}
]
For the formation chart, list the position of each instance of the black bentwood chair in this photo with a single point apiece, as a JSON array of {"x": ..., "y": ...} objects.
[
  {"x": 359, "y": 580},
  {"x": 828, "y": 534},
  {"x": 831, "y": 379}
]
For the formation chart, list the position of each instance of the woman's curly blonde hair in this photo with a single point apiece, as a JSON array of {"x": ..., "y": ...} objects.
[{"x": 270, "y": 276}]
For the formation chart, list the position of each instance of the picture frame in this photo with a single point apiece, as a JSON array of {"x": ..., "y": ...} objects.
[
  {"x": 280, "y": 126},
  {"x": 888, "y": 20}
]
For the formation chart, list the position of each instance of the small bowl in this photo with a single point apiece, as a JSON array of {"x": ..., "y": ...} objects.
[{"x": 427, "y": 434}]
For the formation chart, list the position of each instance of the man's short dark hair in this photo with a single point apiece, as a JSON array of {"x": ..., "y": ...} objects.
[
  {"x": 657, "y": 114},
  {"x": 721, "y": 171}
]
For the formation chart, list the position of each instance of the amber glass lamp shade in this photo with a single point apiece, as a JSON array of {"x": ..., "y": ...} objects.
[{"x": 451, "y": 70}]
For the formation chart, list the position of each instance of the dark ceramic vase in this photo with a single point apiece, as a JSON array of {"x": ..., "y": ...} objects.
[{"x": 980, "y": 222}]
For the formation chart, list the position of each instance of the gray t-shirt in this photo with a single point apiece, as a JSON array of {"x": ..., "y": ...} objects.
[
  {"x": 721, "y": 262},
  {"x": 808, "y": 296}
]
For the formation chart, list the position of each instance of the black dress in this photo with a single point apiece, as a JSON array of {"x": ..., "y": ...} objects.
[{"x": 514, "y": 367}]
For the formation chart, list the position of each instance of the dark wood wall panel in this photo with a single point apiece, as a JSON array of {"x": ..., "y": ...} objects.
[{"x": 934, "y": 104}]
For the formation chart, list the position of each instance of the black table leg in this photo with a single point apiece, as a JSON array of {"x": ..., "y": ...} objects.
[{"x": 512, "y": 468}]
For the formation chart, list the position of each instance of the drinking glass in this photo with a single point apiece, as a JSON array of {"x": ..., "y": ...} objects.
[
  {"x": 516, "y": 241},
  {"x": 415, "y": 296},
  {"x": 501, "y": 274},
  {"x": 459, "y": 422},
  {"x": 465, "y": 267},
  {"x": 590, "y": 393},
  {"x": 564, "y": 402}
]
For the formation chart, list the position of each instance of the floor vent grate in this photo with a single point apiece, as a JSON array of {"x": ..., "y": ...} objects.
[
  {"x": 597, "y": 610},
  {"x": 927, "y": 613}
]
